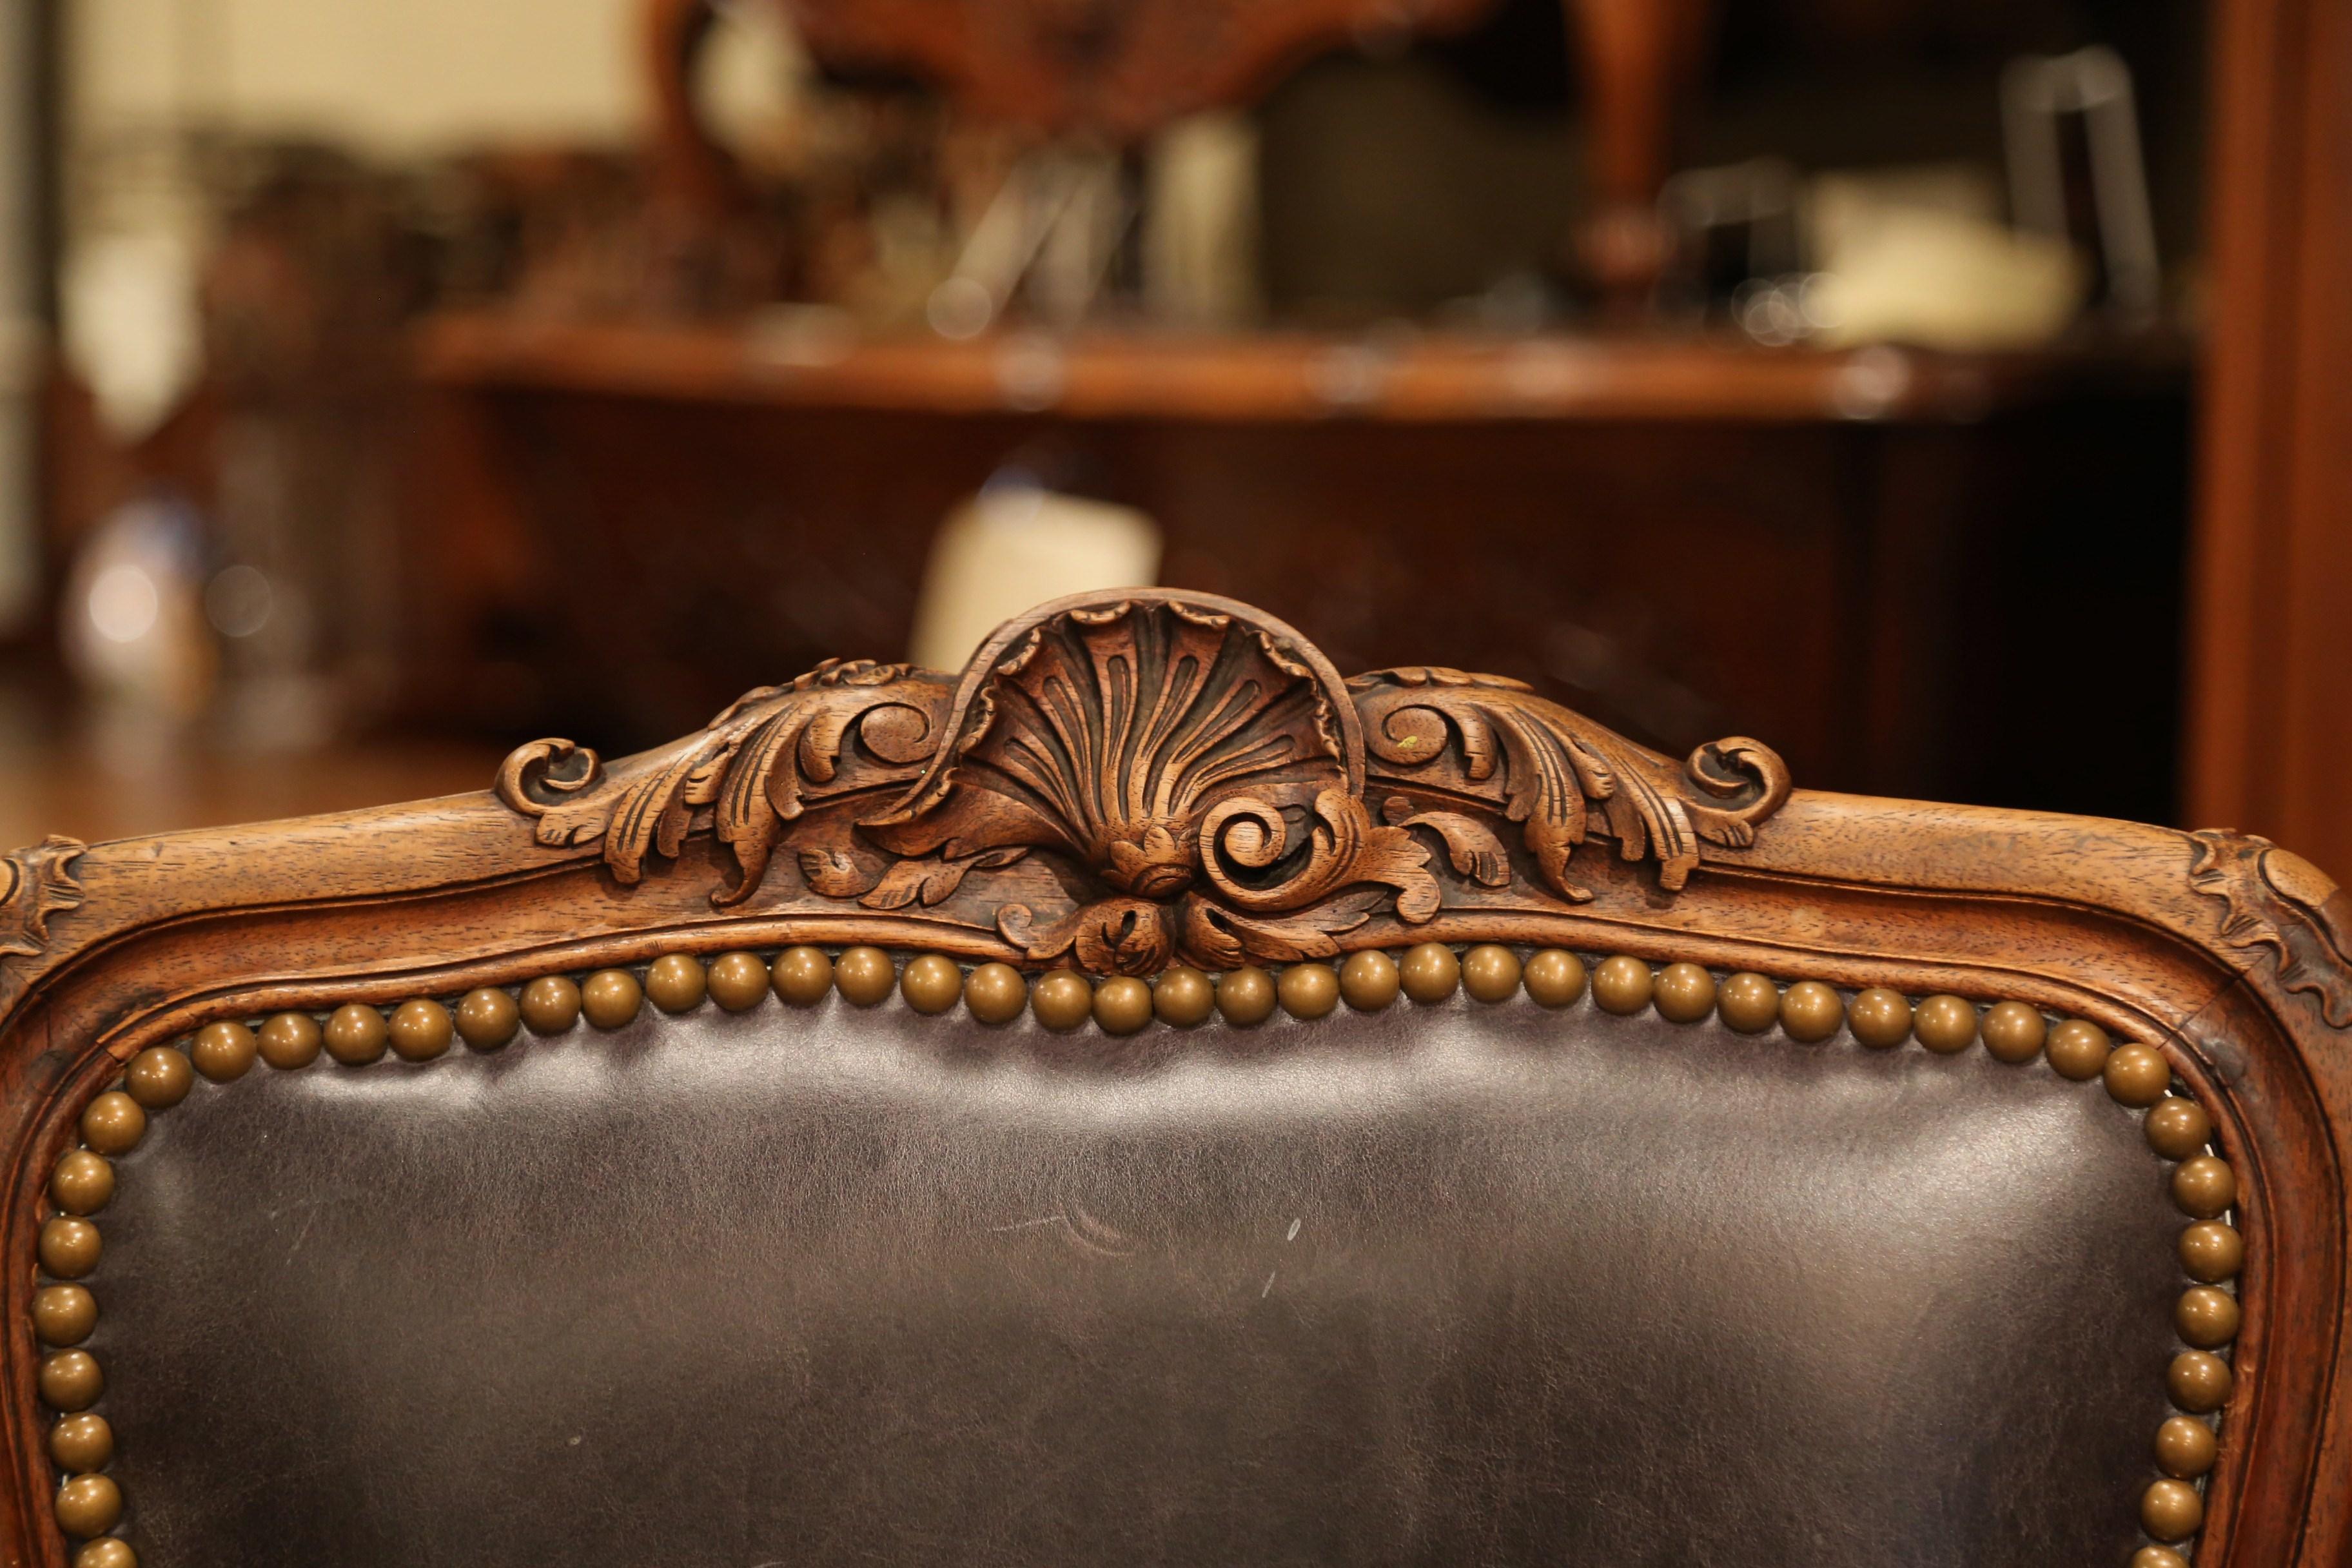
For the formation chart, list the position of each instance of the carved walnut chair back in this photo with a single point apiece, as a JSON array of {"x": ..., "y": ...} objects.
[{"x": 1146, "y": 1096}]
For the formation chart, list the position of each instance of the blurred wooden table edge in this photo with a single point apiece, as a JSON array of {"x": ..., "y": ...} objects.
[{"x": 794, "y": 358}]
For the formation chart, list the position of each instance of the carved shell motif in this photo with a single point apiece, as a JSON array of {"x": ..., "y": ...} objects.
[
  {"x": 1192, "y": 777},
  {"x": 1163, "y": 743}
]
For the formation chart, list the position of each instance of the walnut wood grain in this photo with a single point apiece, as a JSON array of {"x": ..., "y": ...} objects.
[{"x": 2227, "y": 954}]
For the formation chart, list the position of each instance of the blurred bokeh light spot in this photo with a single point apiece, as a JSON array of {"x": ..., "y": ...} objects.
[
  {"x": 123, "y": 604},
  {"x": 237, "y": 601}
]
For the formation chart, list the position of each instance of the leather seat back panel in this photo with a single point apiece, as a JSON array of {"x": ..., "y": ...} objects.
[{"x": 1443, "y": 1284}]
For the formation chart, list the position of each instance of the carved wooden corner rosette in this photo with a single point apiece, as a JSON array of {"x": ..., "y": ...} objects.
[{"x": 1192, "y": 778}]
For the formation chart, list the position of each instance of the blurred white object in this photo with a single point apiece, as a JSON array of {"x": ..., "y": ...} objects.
[
  {"x": 1199, "y": 223},
  {"x": 133, "y": 618},
  {"x": 2039, "y": 95},
  {"x": 1013, "y": 546},
  {"x": 1922, "y": 258},
  {"x": 133, "y": 331}
]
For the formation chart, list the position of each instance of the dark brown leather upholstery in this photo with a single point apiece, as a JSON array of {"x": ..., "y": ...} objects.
[{"x": 1452, "y": 1284}]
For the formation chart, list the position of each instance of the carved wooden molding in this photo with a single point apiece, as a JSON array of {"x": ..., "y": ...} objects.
[
  {"x": 1196, "y": 778},
  {"x": 35, "y": 884},
  {"x": 2275, "y": 898}
]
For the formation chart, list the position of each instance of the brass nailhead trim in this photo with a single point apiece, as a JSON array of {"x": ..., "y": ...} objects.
[{"x": 2134, "y": 1075}]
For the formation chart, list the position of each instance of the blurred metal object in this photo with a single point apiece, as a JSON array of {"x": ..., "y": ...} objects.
[
  {"x": 2070, "y": 126},
  {"x": 1732, "y": 226},
  {"x": 1051, "y": 233}
]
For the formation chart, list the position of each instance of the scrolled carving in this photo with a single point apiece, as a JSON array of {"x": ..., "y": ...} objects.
[
  {"x": 35, "y": 884},
  {"x": 759, "y": 765},
  {"x": 1192, "y": 778},
  {"x": 2274, "y": 899},
  {"x": 1548, "y": 768}
]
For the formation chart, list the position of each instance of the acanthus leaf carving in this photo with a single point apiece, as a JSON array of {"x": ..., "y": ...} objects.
[
  {"x": 1195, "y": 777},
  {"x": 35, "y": 883},
  {"x": 2274, "y": 899},
  {"x": 40, "y": 882},
  {"x": 1549, "y": 770},
  {"x": 758, "y": 766}
]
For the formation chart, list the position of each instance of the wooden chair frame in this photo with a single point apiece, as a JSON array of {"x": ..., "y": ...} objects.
[{"x": 1119, "y": 782}]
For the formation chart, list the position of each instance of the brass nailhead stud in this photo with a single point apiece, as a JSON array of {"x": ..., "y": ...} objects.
[
  {"x": 1879, "y": 1019},
  {"x": 223, "y": 1052},
  {"x": 2184, "y": 1448},
  {"x": 1122, "y": 1004},
  {"x": 1811, "y": 1012},
  {"x": 2178, "y": 1128},
  {"x": 1622, "y": 986},
  {"x": 1490, "y": 973},
  {"x": 803, "y": 977},
  {"x": 1308, "y": 990},
  {"x": 995, "y": 993},
  {"x": 863, "y": 975},
  {"x": 2138, "y": 1075},
  {"x": 1749, "y": 1003},
  {"x": 64, "y": 1314},
  {"x": 2205, "y": 1317},
  {"x": 2204, "y": 1187},
  {"x": 1183, "y": 997},
  {"x": 487, "y": 1019},
  {"x": 291, "y": 1040},
  {"x": 1062, "y": 1000},
  {"x": 89, "y": 1505},
  {"x": 159, "y": 1078},
  {"x": 1430, "y": 973},
  {"x": 675, "y": 983},
  {"x": 2013, "y": 1032},
  {"x": 932, "y": 984},
  {"x": 2209, "y": 1251},
  {"x": 113, "y": 1123},
  {"x": 80, "y": 1443},
  {"x": 2157, "y": 1557},
  {"x": 2198, "y": 1381},
  {"x": 82, "y": 1184},
  {"x": 71, "y": 1381},
  {"x": 1686, "y": 993},
  {"x": 111, "y": 1551},
  {"x": 356, "y": 1035},
  {"x": 1245, "y": 997},
  {"x": 70, "y": 1247},
  {"x": 2171, "y": 1511},
  {"x": 611, "y": 999},
  {"x": 1555, "y": 977},
  {"x": 738, "y": 981},
  {"x": 1945, "y": 1024},
  {"x": 420, "y": 1030},
  {"x": 2077, "y": 1049},
  {"x": 1368, "y": 981},
  {"x": 550, "y": 1004}
]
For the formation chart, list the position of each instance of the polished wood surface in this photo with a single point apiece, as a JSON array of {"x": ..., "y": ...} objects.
[
  {"x": 2226, "y": 956},
  {"x": 784, "y": 361},
  {"x": 2270, "y": 744}
]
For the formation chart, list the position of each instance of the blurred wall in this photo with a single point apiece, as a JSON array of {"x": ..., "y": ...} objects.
[{"x": 396, "y": 76}]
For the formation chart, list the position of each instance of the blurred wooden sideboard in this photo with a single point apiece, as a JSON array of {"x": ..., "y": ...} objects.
[{"x": 1921, "y": 574}]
